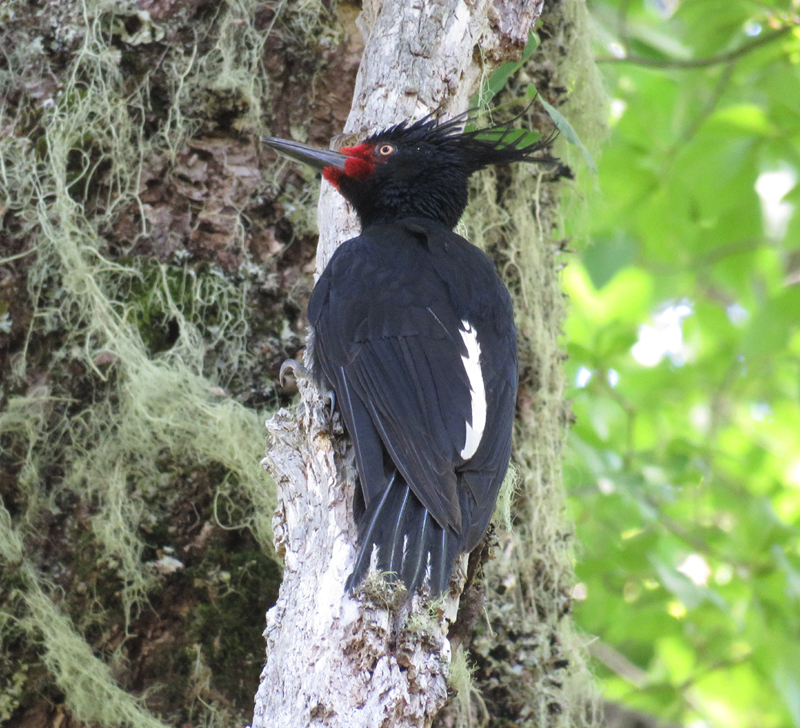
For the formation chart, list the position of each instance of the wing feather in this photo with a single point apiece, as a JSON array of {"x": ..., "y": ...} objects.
[{"x": 407, "y": 429}]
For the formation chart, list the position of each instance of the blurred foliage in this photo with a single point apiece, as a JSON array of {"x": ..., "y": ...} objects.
[{"x": 684, "y": 467}]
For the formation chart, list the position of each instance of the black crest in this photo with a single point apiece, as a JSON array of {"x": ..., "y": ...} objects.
[{"x": 476, "y": 148}]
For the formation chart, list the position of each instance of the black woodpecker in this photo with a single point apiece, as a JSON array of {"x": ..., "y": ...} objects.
[{"x": 414, "y": 332}]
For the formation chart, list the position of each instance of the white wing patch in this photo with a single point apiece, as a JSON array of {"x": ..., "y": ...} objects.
[{"x": 472, "y": 364}]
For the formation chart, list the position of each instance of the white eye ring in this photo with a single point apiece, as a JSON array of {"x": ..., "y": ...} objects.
[{"x": 384, "y": 150}]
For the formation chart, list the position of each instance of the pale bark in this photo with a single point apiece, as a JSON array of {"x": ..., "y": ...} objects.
[{"x": 333, "y": 660}]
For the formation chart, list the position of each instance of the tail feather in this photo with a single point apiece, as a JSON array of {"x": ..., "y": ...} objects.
[
  {"x": 442, "y": 574},
  {"x": 398, "y": 539},
  {"x": 413, "y": 571},
  {"x": 410, "y": 544},
  {"x": 369, "y": 522}
]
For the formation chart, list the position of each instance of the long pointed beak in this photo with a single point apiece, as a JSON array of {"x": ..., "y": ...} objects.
[{"x": 312, "y": 156}]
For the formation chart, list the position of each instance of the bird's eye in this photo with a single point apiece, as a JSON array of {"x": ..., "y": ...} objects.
[{"x": 384, "y": 150}]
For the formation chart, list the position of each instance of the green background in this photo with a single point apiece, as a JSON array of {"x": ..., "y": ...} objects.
[{"x": 684, "y": 372}]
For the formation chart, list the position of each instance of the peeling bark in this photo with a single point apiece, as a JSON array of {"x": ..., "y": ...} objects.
[{"x": 333, "y": 659}]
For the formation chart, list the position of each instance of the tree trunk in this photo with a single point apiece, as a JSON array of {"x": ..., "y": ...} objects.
[{"x": 333, "y": 660}]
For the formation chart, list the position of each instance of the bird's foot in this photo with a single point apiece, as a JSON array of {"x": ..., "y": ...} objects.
[{"x": 295, "y": 368}]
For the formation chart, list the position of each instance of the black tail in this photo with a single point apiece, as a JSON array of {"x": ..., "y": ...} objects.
[{"x": 409, "y": 542}]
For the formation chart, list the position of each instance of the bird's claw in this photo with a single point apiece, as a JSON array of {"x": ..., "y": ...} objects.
[
  {"x": 296, "y": 368},
  {"x": 330, "y": 399}
]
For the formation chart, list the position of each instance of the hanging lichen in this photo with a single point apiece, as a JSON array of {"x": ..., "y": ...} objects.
[{"x": 129, "y": 299}]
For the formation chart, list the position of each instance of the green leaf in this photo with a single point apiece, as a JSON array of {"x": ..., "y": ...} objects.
[
  {"x": 748, "y": 118},
  {"x": 770, "y": 327},
  {"x": 792, "y": 574},
  {"x": 499, "y": 78},
  {"x": 514, "y": 137},
  {"x": 793, "y": 195},
  {"x": 684, "y": 588},
  {"x": 788, "y": 685},
  {"x": 607, "y": 255},
  {"x": 569, "y": 133}
]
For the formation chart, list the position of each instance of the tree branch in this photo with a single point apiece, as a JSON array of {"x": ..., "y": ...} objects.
[{"x": 733, "y": 55}]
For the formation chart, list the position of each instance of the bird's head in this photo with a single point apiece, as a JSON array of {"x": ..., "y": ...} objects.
[{"x": 418, "y": 169}]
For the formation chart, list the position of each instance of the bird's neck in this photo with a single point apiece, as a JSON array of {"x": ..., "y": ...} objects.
[{"x": 387, "y": 202}]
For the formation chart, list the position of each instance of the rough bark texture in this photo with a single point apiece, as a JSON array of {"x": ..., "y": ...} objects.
[
  {"x": 332, "y": 660},
  {"x": 154, "y": 270}
]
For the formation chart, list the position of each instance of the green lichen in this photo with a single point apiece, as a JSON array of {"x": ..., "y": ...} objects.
[{"x": 460, "y": 680}]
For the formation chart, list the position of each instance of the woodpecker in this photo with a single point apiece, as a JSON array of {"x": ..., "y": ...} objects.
[{"x": 413, "y": 331}]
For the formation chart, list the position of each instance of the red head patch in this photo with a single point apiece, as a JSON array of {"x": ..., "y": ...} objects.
[{"x": 359, "y": 165}]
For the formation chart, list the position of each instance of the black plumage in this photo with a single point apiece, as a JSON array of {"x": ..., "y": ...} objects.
[{"x": 414, "y": 331}]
